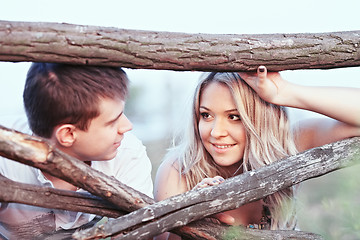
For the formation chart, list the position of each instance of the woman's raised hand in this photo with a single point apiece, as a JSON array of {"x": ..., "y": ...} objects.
[{"x": 268, "y": 86}]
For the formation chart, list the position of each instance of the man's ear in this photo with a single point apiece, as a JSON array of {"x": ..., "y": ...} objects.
[{"x": 65, "y": 135}]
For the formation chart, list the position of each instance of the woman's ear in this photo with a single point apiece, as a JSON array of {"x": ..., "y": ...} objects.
[{"x": 65, "y": 135}]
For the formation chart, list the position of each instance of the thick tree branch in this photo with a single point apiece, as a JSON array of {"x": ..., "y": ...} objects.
[
  {"x": 182, "y": 209},
  {"x": 53, "y": 198},
  {"x": 37, "y": 152},
  {"x": 78, "y": 44},
  {"x": 258, "y": 184},
  {"x": 53, "y": 42},
  {"x": 204, "y": 230}
]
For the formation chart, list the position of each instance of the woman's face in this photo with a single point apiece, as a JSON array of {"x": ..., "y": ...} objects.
[{"x": 221, "y": 130}]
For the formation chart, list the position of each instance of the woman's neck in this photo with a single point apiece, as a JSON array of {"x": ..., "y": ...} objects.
[{"x": 231, "y": 171}]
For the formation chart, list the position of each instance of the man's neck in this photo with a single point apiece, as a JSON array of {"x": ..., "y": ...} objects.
[{"x": 59, "y": 183}]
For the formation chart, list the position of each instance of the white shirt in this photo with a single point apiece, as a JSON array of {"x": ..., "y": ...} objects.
[{"x": 131, "y": 166}]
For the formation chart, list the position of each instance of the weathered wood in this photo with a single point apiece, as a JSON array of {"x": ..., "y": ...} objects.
[
  {"x": 52, "y": 42},
  {"x": 39, "y": 153},
  {"x": 182, "y": 209},
  {"x": 204, "y": 230},
  {"x": 79, "y": 44},
  {"x": 343, "y": 150},
  {"x": 65, "y": 234},
  {"x": 30, "y": 150},
  {"x": 47, "y": 197}
]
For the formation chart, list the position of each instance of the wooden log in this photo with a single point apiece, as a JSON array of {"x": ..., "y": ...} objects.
[
  {"x": 39, "y": 153},
  {"x": 182, "y": 209},
  {"x": 80, "y": 44},
  {"x": 24, "y": 147},
  {"x": 47, "y": 197},
  {"x": 205, "y": 230}
]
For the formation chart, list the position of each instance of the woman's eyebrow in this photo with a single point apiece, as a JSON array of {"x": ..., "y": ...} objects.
[
  {"x": 227, "y": 111},
  {"x": 204, "y": 108},
  {"x": 232, "y": 110}
]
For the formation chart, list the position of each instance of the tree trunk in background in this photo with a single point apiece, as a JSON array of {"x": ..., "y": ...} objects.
[{"x": 78, "y": 44}]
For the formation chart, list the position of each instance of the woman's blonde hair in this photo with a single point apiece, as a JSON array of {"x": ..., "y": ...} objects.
[{"x": 268, "y": 139}]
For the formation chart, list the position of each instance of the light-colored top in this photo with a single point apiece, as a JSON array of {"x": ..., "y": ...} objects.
[{"x": 131, "y": 166}]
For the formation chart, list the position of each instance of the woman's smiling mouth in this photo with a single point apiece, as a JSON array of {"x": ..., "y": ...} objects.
[{"x": 222, "y": 147}]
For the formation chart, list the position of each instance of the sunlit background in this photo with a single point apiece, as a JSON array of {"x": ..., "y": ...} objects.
[{"x": 328, "y": 205}]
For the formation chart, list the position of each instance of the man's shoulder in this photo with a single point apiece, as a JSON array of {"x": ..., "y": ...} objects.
[
  {"x": 16, "y": 171},
  {"x": 130, "y": 141},
  {"x": 131, "y": 151}
]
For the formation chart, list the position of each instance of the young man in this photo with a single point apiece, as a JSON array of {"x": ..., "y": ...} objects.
[{"x": 80, "y": 109}]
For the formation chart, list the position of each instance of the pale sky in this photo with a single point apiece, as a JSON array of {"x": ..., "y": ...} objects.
[{"x": 191, "y": 16}]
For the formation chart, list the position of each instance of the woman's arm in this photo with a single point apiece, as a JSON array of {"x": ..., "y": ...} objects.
[
  {"x": 339, "y": 103},
  {"x": 168, "y": 182}
]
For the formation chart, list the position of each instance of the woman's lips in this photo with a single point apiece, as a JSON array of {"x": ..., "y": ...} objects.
[{"x": 221, "y": 148}]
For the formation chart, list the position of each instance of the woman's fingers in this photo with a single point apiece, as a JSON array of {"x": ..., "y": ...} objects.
[
  {"x": 225, "y": 218},
  {"x": 266, "y": 84},
  {"x": 210, "y": 182},
  {"x": 262, "y": 73},
  {"x": 249, "y": 77},
  {"x": 219, "y": 179},
  {"x": 255, "y": 78}
]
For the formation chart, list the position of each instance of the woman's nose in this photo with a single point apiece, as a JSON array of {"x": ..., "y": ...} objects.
[{"x": 218, "y": 129}]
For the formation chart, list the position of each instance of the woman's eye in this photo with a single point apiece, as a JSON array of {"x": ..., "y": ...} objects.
[
  {"x": 205, "y": 115},
  {"x": 234, "y": 117}
]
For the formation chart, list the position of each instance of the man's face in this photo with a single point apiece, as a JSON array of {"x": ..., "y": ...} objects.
[{"x": 104, "y": 134}]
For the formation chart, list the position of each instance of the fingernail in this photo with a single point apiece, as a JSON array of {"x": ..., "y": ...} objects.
[
  {"x": 261, "y": 69},
  {"x": 221, "y": 179}
]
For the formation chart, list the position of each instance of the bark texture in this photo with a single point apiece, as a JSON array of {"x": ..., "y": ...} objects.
[
  {"x": 251, "y": 186},
  {"x": 53, "y": 198},
  {"x": 39, "y": 153},
  {"x": 79, "y": 44},
  {"x": 91, "y": 45},
  {"x": 211, "y": 231},
  {"x": 170, "y": 214}
]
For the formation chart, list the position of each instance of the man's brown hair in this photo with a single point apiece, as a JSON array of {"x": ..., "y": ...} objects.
[{"x": 69, "y": 94}]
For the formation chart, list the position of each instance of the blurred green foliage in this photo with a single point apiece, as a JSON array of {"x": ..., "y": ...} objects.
[{"x": 330, "y": 205}]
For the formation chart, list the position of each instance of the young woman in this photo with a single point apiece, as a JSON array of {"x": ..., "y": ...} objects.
[{"x": 239, "y": 123}]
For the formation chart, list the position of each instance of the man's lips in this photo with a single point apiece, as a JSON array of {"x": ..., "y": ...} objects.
[{"x": 118, "y": 143}]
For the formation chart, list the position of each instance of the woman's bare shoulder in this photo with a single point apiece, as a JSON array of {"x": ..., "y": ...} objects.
[{"x": 168, "y": 181}]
